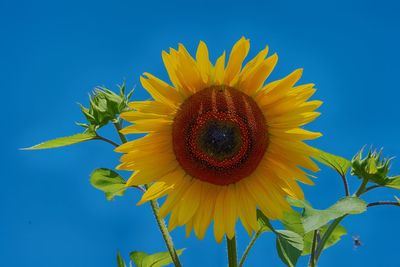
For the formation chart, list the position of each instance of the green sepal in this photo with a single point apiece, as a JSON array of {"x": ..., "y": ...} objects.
[
  {"x": 142, "y": 259},
  {"x": 373, "y": 167},
  {"x": 105, "y": 106},
  {"x": 108, "y": 181},
  {"x": 120, "y": 261},
  {"x": 392, "y": 182},
  {"x": 64, "y": 141}
]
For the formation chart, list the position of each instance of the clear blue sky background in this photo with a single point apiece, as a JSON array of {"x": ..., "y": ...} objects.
[{"x": 52, "y": 53}]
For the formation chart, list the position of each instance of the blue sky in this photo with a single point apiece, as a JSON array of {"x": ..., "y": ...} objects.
[{"x": 52, "y": 53}]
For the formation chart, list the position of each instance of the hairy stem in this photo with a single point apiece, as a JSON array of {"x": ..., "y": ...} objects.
[
  {"x": 371, "y": 187},
  {"x": 232, "y": 252},
  {"x": 155, "y": 207},
  {"x": 314, "y": 243},
  {"x": 382, "y": 203},
  {"x": 98, "y": 137},
  {"x": 362, "y": 189},
  {"x": 249, "y": 247},
  {"x": 165, "y": 233},
  {"x": 325, "y": 237},
  {"x": 346, "y": 185},
  {"x": 118, "y": 127}
]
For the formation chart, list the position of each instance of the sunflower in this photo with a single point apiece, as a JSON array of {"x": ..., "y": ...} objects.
[{"x": 220, "y": 143}]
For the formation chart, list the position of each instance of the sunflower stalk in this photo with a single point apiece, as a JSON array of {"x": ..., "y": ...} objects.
[
  {"x": 155, "y": 208},
  {"x": 232, "y": 252}
]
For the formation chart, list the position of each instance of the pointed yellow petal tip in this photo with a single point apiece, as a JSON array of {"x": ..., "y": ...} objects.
[
  {"x": 118, "y": 150},
  {"x": 141, "y": 202},
  {"x": 299, "y": 72},
  {"x": 274, "y": 56},
  {"x": 181, "y": 47},
  {"x": 219, "y": 239},
  {"x": 119, "y": 167}
]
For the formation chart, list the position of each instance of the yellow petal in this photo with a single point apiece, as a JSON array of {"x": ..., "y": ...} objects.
[
  {"x": 219, "y": 69},
  {"x": 148, "y": 176},
  {"x": 251, "y": 83},
  {"x": 203, "y": 62},
  {"x": 259, "y": 195},
  {"x": 164, "y": 186},
  {"x": 173, "y": 220},
  {"x": 189, "y": 227},
  {"x": 150, "y": 125},
  {"x": 254, "y": 62},
  {"x": 152, "y": 141},
  {"x": 219, "y": 225},
  {"x": 189, "y": 202},
  {"x": 133, "y": 116},
  {"x": 293, "y": 134},
  {"x": 174, "y": 196},
  {"x": 156, "y": 190},
  {"x": 160, "y": 90},
  {"x": 246, "y": 209},
  {"x": 205, "y": 212},
  {"x": 170, "y": 63},
  {"x": 236, "y": 58},
  {"x": 277, "y": 89},
  {"x": 292, "y": 121},
  {"x": 230, "y": 211},
  {"x": 152, "y": 107}
]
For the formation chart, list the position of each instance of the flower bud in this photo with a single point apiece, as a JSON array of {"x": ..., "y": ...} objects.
[
  {"x": 105, "y": 106},
  {"x": 372, "y": 167}
]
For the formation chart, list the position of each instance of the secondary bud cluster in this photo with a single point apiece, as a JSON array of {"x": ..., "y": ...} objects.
[
  {"x": 372, "y": 167},
  {"x": 105, "y": 106}
]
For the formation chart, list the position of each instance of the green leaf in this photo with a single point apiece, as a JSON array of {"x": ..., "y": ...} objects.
[
  {"x": 313, "y": 218},
  {"x": 263, "y": 222},
  {"x": 333, "y": 239},
  {"x": 142, "y": 259},
  {"x": 341, "y": 165},
  {"x": 289, "y": 246},
  {"x": 64, "y": 141},
  {"x": 393, "y": 182},
  {"x": 292, "y": 221},
  {"x": 120, "y": 261},
  {"x": 108, "y": 181}
]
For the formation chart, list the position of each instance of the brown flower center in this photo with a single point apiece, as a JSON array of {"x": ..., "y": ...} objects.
[{"x": 219, "y": 135}]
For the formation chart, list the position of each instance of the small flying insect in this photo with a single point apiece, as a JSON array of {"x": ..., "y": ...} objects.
[{"x": 356, "y": 241}]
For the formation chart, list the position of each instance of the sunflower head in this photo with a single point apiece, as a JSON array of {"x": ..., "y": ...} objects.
[{"x": 220, "y": 142}]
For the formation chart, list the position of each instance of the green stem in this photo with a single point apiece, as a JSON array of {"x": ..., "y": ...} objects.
[
  {"x": 346, "y": 185},
  {"x": 164, "y": 231},
  {"x": 118, "y": 127},
  {"x": 369, "y": 188},
  {"x": 314, "y": 243},
  {"x": 382, "y": 203},
  {"x": 326, "y": 236},
  {"x": 156, "y": 211},
  {"x": 362, "y": 188},
  {"x": 98, "y": 137},
  {"x": 232, "y": 252},
  {"x": 249, "y": 247}
]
